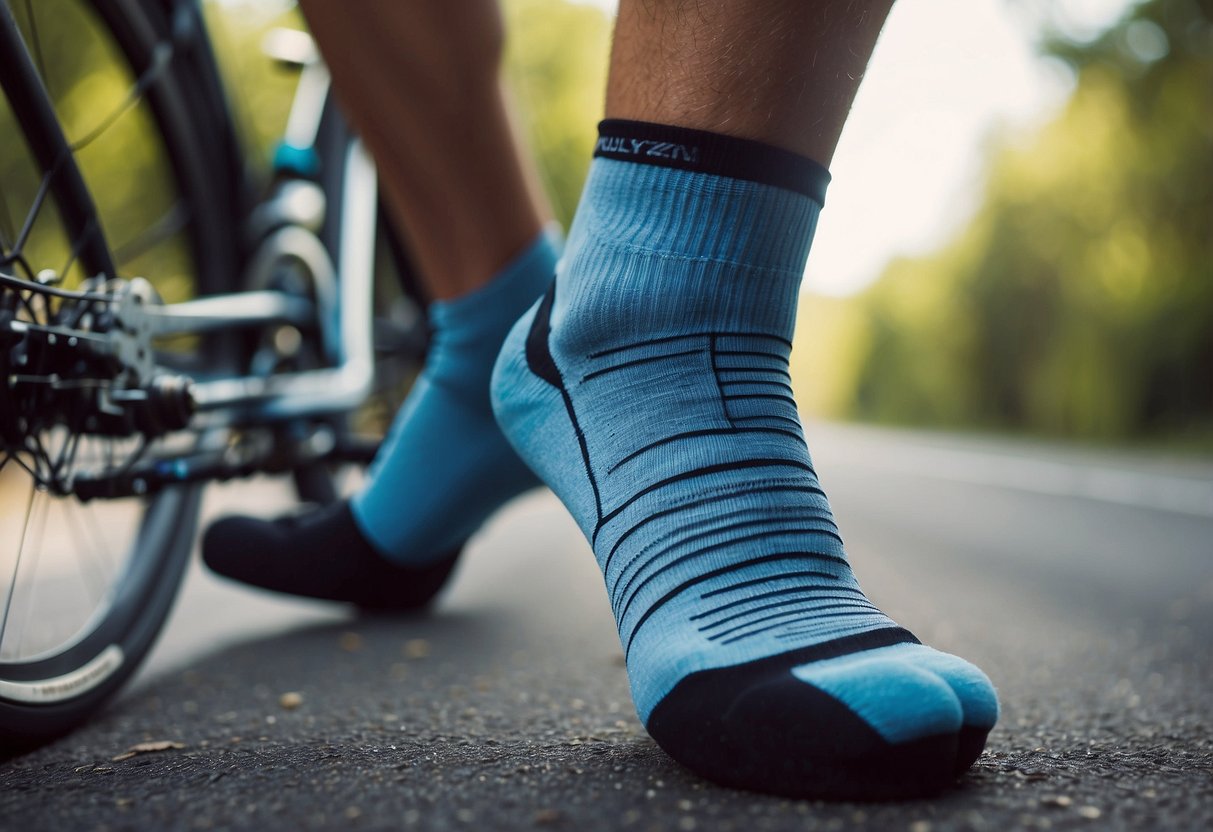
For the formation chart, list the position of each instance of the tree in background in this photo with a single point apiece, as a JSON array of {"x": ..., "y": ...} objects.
[
  {"x": 1079, "y": 301},
  {"x": 556, "y": 60}
]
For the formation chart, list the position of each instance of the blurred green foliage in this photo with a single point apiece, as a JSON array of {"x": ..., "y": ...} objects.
[
  {"x": 556, "y": 61},
  {"x": 555, "y": 69},
  {"x": 1079, "y": 300},
  {"x": 122, "y": 158},
  {"x": 259, "y": 90}
]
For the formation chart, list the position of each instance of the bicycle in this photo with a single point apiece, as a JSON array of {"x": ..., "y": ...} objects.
[{"x": 244, "y": 347}]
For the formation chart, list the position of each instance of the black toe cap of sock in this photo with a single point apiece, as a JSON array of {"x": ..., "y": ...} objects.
[
  {"x": 970, "y": 744},
  {"x": 320, "y": 554},
  {"x": 771, "y": 732}
]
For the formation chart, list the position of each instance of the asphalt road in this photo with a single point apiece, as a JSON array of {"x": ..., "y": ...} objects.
[{"x": 1081, "y": 581}]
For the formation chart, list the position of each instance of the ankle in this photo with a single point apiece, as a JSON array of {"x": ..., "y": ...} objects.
[{"x": 658, "y": 253}]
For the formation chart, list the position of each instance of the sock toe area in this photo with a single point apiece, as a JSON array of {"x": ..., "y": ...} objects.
[
  {"x": 978, "y": 698},
  {"x": 900, "y": 701},
  {"x": 777, "y": 731},
  {"x": 978, "y": 701},
  {"x": 973, "y": 689}
]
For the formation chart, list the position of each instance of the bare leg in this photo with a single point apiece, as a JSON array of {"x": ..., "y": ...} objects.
[
  {"x": 650, "y": 390},
  {"x": 779, "y": 71},
  {"x": 419, "y": 80}
]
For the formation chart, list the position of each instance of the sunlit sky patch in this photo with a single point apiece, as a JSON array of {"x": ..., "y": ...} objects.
[{"x": 947, "y": 75}]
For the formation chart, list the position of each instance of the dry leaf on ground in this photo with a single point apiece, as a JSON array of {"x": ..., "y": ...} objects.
[{"x": 147, "y": 748}]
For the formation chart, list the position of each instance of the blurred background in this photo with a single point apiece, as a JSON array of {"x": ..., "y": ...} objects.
[
  {"x": 1018, "y": 237},
  {"x": 1019, "y": 234},
  {"x": 1018, "y": 242}
]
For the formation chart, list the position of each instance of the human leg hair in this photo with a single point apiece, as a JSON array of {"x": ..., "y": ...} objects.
[{"x": 783, "y": 72}]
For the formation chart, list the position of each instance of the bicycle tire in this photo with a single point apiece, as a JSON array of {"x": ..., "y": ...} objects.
[{"x": 47, "y": 693}]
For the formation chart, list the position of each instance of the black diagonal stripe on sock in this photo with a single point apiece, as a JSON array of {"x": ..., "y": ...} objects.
[
  {"x": 636, "y": 361},
  {"x": 776, "y": 397},
  {"x": 803, "y": 628},
  {"x": 691, "y": 434},
  {"x": 743, "y": 585},
  {"x": 716, "y": 531},
  {"x": 622, "y": 612},
  {"x": 684, "y": 148},
  {"x": 706, "y": 470},
  {"x": 778, "y": 604},
  {"x": 781, "y": 371},
  {"x": 538, "y": 354},
  {"x": 805, "y": 612},
  {"x": 814, "y": 629},
  {"x": 724, "y": 408},
  {"x": 692, "y": 528},
  {"x": 813, "y": 588},
  {"x": 648, "y": 342},
  {"x": 777, "y": 418},
  {"x": 716, "y": 573},
  {"x": 540, "y": 362},
  {"x": 749, "y": 354},
  {"x": 830, "y": 615},
  {"x": 746, "y": 382},
  {"x": 727, "y": 494}
]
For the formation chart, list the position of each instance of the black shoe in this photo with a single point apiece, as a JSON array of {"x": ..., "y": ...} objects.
[{"x": 320, "y": 554}]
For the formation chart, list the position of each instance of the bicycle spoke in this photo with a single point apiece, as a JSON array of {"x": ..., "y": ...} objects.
[
  {"x": 8, "y": 599},
  {"x": 77, "y": 246},
  {"x": 162, "y": 54},
  {"x": 173, "y": 222},
  {"x": 67, "y": 454},
  {"x": 88, "y": 528},
  {"x": 86, "y": 532},
  {"x": 41, "y": 509},
  {"x": 44, "y": 189},
  {"x": 101, "y": 544}
]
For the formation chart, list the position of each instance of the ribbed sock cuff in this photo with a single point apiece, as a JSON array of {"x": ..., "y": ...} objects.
[{"x": 683, "y": 148}]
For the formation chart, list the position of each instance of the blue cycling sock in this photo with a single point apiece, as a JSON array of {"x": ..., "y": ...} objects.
[
  {"x": 445, "y": 465},
  {"x": 649, "y": 388}
]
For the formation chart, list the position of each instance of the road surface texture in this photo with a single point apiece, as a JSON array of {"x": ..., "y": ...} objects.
[{"x": 1082, "y": 582}]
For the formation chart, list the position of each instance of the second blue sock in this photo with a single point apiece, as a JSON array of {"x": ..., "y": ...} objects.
[
  {"x": 650, "y": 389},
  {"x": 445, "y": 465}
]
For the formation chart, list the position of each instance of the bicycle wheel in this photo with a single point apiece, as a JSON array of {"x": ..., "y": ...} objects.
[{"x": 84, "y": 588}]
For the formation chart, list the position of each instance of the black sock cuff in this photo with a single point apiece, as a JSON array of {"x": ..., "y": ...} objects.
[{"x": 683, "y": 148}]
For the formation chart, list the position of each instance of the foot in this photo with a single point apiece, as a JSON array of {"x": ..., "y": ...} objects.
[
  {"x": 444, "y": 468},
  {"x": 649, "y": 388},
  {"x": 321, "y": 554}
]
